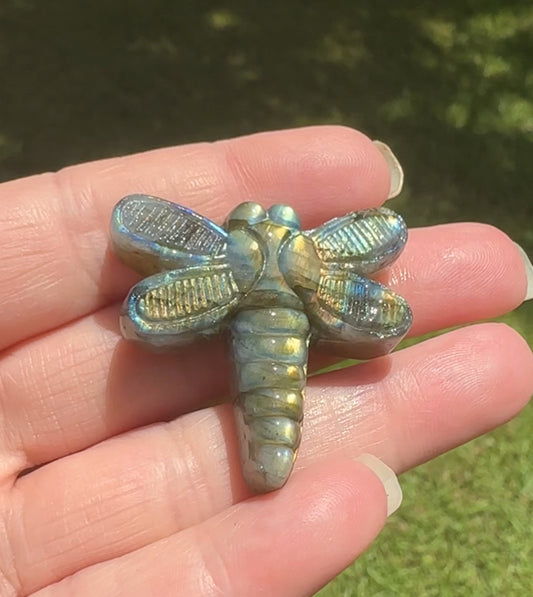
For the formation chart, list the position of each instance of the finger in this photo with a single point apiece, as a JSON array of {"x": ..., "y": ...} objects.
[
  {"x": 143, "y": 485},
  {"x": 457, "y": 273},
  {"x": 81, "y": 384},
  {"x": 55, "y": 262},
  {"x": 255, "y": 546}
]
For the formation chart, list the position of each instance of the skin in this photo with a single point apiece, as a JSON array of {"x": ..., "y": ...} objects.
[{"x": 137, "y": 489}]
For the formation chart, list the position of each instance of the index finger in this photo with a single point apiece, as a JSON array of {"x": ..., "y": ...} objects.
[{"x": 56, "y": 266}]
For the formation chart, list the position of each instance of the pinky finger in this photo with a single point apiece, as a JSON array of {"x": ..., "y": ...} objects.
[{"x": 289, "y": 543}]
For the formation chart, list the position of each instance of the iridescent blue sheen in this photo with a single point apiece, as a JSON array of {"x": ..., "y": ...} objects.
[{"x": 276, "y": 289}]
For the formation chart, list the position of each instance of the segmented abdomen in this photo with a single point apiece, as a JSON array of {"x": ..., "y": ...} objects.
[{"x": 270, "y": 354}]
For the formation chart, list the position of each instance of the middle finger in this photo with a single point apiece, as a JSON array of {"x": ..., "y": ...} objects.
[{"x": 81, "y": 384}]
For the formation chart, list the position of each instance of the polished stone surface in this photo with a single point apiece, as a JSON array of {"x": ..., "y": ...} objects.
[{"x": 276, "y": 289}]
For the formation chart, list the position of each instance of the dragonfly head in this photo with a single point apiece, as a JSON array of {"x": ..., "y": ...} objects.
[
  {"x": 284, "y": 215},
  {"x": 250, "y": 213}
]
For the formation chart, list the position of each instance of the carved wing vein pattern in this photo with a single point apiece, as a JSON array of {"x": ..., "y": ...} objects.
[
  {"x": 188, "y": 296},
  {"x": 172, "y": 227}
]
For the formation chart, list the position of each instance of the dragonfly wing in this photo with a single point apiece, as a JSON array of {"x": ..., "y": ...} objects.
[
  {"x": 177, "y": 307},
  {"x": 363, "y": 241},
  {"x": 150, "y": 234},
  {"x": 355, "y": 317}
]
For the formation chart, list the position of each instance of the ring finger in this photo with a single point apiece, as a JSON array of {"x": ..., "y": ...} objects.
[{"x": 155, "y": 481}]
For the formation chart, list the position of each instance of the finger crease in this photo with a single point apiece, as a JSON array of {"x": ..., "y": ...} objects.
[{"x": 77, "y": 208}]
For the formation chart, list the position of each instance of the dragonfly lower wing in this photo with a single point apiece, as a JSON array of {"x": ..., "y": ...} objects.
[
  {"x": 177, "y": 307},
  {"x": 356, "y": 317}
]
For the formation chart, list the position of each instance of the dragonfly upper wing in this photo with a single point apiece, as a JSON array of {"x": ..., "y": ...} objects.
[
  {"x": 363, "y": 241},
  {"x": 355, "y": 317},
  {"x": 150, "y": 234},
  {"x": 176, "y": 307}
]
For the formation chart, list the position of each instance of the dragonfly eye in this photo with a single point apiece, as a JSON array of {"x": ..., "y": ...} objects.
[
  {"x": 285, "y": 215},
  {"x": 249, "y": 212}
]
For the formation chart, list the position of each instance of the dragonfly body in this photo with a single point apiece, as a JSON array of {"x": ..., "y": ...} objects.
[
  {"x": 270, "y": 337},
  {"x": 275, "y": 288}
]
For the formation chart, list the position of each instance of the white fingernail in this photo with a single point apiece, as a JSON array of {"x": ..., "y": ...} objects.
[
  {"x": 389, "y": 479},
  {"x": 529, "y": 272},
  {"x": 395, "y": 169}
]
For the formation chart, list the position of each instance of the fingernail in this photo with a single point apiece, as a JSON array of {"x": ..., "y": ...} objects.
[
  {"x": 389, "y": 479},
  {"x": 396, "y": 171},
  {"x": 529, "y": 272}
]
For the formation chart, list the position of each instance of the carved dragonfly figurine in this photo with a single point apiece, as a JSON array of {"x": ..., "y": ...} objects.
[{"x": 275, "y": 288}]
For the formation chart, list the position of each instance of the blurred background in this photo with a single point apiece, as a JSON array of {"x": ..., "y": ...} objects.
[{"x": 448, "y": 85}]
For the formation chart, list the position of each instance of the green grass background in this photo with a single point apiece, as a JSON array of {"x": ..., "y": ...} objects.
[{"x": 448, "y": 84}]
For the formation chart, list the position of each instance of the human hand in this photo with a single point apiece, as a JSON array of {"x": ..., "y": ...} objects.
[{"x": 138, "y": 488}]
